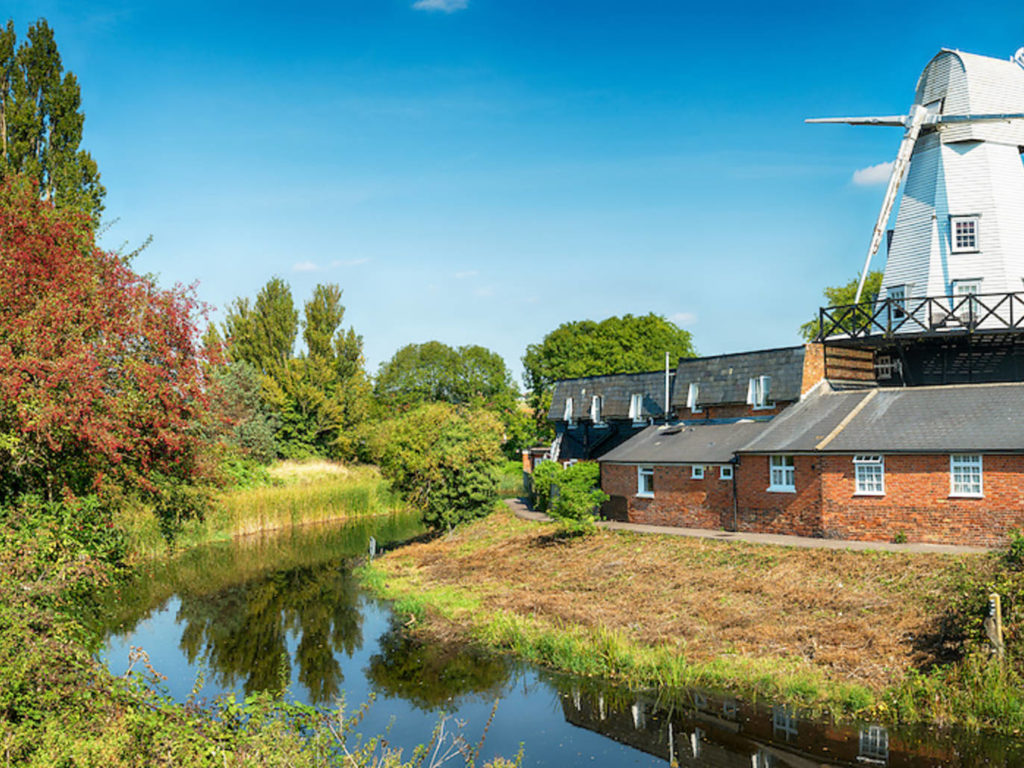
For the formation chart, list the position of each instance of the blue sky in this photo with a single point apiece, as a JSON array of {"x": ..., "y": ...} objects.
[{"x": 480, "y": 171}]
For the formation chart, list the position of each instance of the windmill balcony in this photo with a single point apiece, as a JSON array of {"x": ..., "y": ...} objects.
[{"x": 926, "y": 316}]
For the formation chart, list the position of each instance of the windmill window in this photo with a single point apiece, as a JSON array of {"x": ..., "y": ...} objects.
[
  {"x": 964, "y": 230},
  {"x": 869, "y": 475},
  {"x": 897, "y": 300},
  {"x": 636, "y": 408},
  {"x": 965, "y": 475},
  {"x": 886, "y": 367},
  {"x": 966, "y": 308},
  {"x": 782, "y": 474},
  {"x": 645, "y": 482}
]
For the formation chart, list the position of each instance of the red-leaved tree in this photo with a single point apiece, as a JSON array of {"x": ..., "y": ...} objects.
[{"x": 100, "y": 372}]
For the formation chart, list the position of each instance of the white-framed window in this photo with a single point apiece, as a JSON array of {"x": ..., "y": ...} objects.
[
  {"x": 782, "y": 474},
  {"x": 964, "y": 234},
  {"x": 869, "y": 475},
  {"x": 697, "y": 472},
  {"x": 595, "y": 410},
  {"x": 636, "y": 408},
  {"x": 966, "y": 310},
  {"x": 886, "y": 367},
  {"x": 759, "y": 392},
  {"x": 874, "y": 743},
  {"x": 725, "y": 472},
  {"x": 898, "y": 299},
  {"x": 567, "y": 414},
  {"x": 784, "y": 722},
  {"x": 965, "y": 474},
  {"x": 645, "y": 481},
  {"x": 692, "y": 393}
]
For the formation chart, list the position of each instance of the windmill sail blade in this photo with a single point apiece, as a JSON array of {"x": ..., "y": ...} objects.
[
  {"x": 886, "y": 120},
  {"x": 914, "y": 122},
  {"x": 977, "y": 118}
]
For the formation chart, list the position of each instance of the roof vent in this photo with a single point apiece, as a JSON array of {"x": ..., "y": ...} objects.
[
  {"x": 673, "y": 430},
  {"x": 1019, "y": 56}
]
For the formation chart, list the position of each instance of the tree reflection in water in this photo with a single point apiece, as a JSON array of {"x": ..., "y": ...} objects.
[
  {"x": 242, "y": 631},
  {"x": 432, "y": 674}
]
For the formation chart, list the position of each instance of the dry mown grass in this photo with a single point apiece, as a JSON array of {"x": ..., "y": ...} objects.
[{"x": 863, "y": 617}]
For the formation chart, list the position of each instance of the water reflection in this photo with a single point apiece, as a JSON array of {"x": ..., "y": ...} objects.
[{"x": 287, "y": 608}]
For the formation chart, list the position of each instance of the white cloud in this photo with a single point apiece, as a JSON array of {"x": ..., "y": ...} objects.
[
  {"x": 467, "y": 273},
  {"x": 349, "y": 262},
  {"x": 447, "y": 6},
  {"x": 873, "y": 175},
  {"x": 683, "y": 318},
  {"x": 305, "y": 266}
]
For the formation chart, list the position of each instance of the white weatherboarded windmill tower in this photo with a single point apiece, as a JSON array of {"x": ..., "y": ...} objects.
[{"x": 956, "y": 252}]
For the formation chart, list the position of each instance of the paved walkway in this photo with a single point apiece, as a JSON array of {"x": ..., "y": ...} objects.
[{"x": 520, "y": 508}]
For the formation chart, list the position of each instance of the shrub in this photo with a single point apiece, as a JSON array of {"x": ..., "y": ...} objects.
[
  {"x": 578, "y": 497},
  {"x": 545, "y": 474}
]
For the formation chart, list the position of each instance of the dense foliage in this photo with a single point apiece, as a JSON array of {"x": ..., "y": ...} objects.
[
  {"x": 317, "y": 399},
  {"x": 570, "y": 494},
  {"x": 443, "y": 460},
  {"x": 626, "y": 344},
  {"x": 41, "y": 123},
  {"x": 100, "y": 379},
  {"x": 842, "y": 295}
]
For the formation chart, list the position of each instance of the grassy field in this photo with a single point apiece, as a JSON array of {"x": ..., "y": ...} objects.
[
  {"x": 867, "y": 633},
  {"x": 298, "y": 493}
]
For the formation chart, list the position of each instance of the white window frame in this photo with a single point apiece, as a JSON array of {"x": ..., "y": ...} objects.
[
  {"x": 645, "y": 471},
  {"x": 961, "y": 467},
  {"x": 898, "y": 296},
  {"x": 697, "y": 472},
  {"x": 725, "y": 472},
  {"x": 869, "y": 475},
  {"x": 759, "y": 392},
  {"x": 782, "y": 473},
  {"x": 596, "y": 403},
  {"x": 636, "y": 408},
  {"x": 961, "y": 289},
  {"x": 692, "y": 393},
  {"x": 969, "y": 239},
  {"x": 886, "y": 367}
]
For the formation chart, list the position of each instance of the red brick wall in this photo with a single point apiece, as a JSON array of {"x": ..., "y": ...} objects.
[
  {"x": 678, "y": 498},
  {"x": 814, "y": 367},
  {"x": 917, "y": 502},
  {"x": 733, "y": 411},
  {"x": 763, "y": 511}
]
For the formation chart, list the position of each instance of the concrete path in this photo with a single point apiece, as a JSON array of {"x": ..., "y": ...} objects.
[{"x": 520, "y": 508}]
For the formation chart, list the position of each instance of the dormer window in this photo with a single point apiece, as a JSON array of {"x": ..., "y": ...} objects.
[
  {"x": 636, "y": 408},
  {"x": 897, "y": 299},
  {"x": 964, "y": 233},
  {"x": 759, "y": 390},
  {"x": 595, "y": 410},
  {"x": 691, "y": 397},
  {"x": 567, "y": 415}
]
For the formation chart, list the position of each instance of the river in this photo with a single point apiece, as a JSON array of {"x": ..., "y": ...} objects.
[{"x": 285, "y": 610}]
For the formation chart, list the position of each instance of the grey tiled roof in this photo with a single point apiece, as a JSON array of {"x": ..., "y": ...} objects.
[
  {"x": 683, "y": 444},
  {"x": 724, "y": 378},
  {"x": 968, "y": 418},
  {"x": 615, "y": 391}
]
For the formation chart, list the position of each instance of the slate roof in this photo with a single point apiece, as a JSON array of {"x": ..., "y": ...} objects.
[
  {"x": 954, "y": 418},
  {"x": 615, "y": 391},
  {"x": 724, "y": 378},
  {"x": 686, "y": 444}
]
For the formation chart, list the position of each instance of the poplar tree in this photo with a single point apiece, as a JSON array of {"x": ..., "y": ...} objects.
[{"x": 41, "y": 122}]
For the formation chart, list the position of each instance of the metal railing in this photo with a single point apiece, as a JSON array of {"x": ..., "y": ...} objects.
[{"x": 918, "y": 316}]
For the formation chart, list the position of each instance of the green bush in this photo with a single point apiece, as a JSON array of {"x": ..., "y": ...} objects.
[
  {"x": 545, "y": 474},
  {"x": 578, "y": 498}
]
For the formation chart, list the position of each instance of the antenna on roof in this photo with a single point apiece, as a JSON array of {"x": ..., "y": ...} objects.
[{"x": 1018, "y": 56}]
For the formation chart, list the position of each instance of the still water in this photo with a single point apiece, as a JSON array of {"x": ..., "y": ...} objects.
[{"x": 269, "y": 611}]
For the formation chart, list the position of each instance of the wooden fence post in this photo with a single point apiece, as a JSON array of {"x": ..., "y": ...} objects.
[{"x": 994, "y": 625}]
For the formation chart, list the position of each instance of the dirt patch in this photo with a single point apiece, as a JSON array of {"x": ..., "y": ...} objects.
[{"x": 866, "y": 617}]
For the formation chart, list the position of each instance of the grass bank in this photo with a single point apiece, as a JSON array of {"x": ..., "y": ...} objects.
[
  {"x": 292, "y": 493},
  {"x": 891, "y": 636}
]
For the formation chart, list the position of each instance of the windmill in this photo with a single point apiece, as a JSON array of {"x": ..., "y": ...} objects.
[{"x": 959, "y": 229}]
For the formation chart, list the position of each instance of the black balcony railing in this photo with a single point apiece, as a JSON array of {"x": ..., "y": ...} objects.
[{"x": 989, "y": 312}]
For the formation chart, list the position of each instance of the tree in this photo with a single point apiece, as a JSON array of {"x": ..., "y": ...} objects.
[
  {"x": 263, "y": 334},
  {"x": 237, "y": 414},
  {"x": 443, "y": 460},
  {"x": 626, "y": 344},
  {"x": 100, "y": 373},
  {"x": 843, "y": 295},
  {"x": 41, "y": 123}
]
